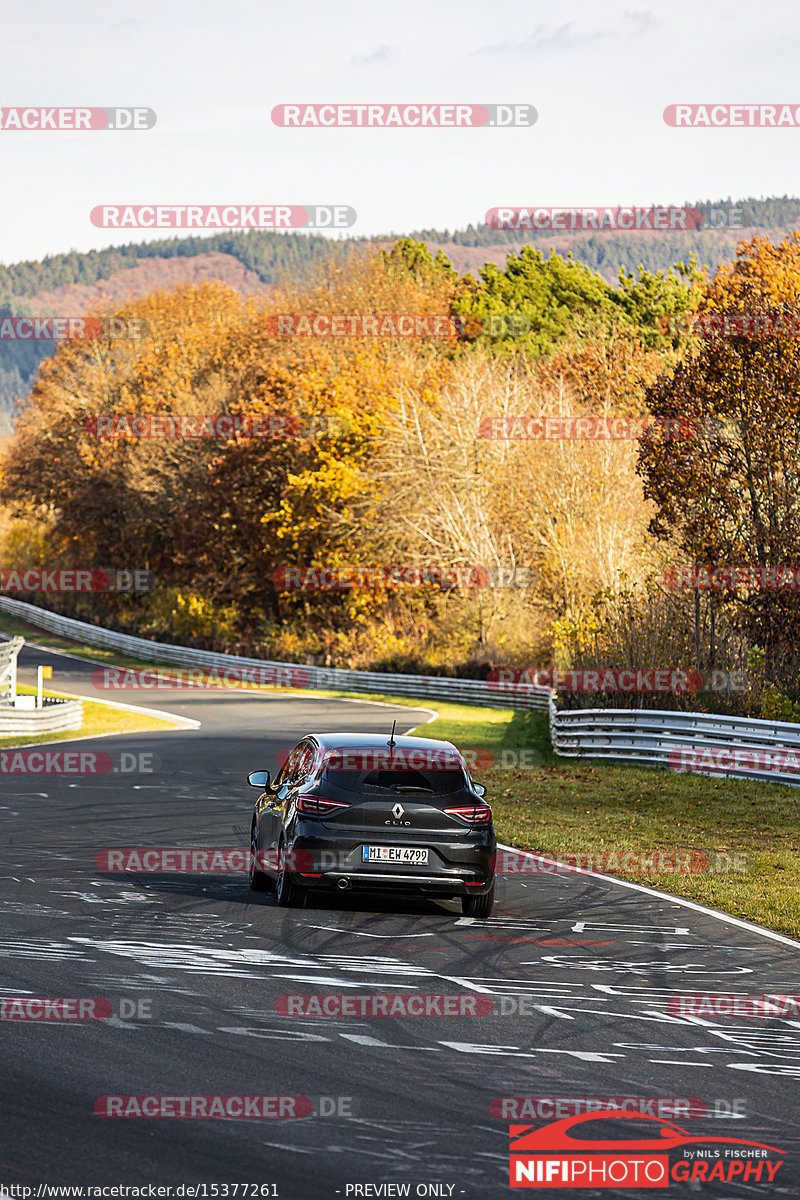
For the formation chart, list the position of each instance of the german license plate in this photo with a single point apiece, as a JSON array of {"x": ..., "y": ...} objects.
[{"x": 406, "y": 855}]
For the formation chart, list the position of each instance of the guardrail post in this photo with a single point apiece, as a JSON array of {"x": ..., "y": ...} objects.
[{"x": 9, "y": 652}]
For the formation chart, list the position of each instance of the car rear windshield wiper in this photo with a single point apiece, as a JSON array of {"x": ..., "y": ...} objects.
[{"x": 404, "y": 788}]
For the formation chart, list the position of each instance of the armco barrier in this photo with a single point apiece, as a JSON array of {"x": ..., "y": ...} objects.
[
  {"x": 620, "y": 735},
  {"x": 463, "y": 691},
  {"x": 764, "y": 750},
  {"x": 54, "y": 717}
]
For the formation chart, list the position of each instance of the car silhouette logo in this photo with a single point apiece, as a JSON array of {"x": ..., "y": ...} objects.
[
  {"x": 398, "y": 811},
  {"x": 558, "y": 1136}
]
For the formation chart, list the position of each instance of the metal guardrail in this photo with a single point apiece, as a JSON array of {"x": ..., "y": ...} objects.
[
  {"x": 462, "y": 691},
  {"x": 762, "y": 750},
  {"x": 704, "y": 743},
  {"x": 8, "y": 669},
  {"x": 56, "y": 716}
]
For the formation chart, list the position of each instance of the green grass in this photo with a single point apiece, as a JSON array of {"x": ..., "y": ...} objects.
[
  {"x": 562, "y": 807},
  {"x": 569, "y": 807}
]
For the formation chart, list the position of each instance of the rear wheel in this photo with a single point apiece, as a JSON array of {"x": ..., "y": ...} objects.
[
  {"x": 289, "y": 894},
  {"x": 259, "y": 882},
  {"x": 478, "y": 906}
]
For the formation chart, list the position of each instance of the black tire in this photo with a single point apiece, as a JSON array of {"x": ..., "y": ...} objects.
[
  {"x": 478, "y": 906},
  {"x": 259, "y": 882},
  {"x": 288, "y": 893}
]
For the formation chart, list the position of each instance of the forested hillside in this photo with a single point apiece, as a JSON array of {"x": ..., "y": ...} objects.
[{"x": 269, "y": 255}]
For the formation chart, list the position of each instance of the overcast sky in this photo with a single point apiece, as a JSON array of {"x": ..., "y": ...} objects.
[{"x": 600, "y": 77}]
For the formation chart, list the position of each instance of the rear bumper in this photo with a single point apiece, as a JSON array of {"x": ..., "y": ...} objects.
[
  {"x": 455, "y": 867},
  {"x": 432, "y": 885}
]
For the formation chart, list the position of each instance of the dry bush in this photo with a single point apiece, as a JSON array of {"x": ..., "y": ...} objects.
[{"x": 571, "y": 512}]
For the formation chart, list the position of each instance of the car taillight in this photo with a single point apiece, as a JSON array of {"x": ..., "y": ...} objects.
[
  {"x": 471, "y": 814},
  {"x": 314, "y": 806}
]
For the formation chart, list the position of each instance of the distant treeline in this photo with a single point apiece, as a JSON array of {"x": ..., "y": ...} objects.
[
  {"x": 273, "y": 255},
  {"x": 270, "y": 255},
  {"x": 607, "y": 252}
]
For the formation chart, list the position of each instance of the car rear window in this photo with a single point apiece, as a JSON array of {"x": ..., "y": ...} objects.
[{"x": 399, "y": 781}]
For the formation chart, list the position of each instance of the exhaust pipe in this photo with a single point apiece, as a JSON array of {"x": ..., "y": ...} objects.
[{"x": 343, "y": 884}]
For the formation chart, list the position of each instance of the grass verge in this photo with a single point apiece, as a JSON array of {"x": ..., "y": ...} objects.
[{"x": 98, "y": 719}]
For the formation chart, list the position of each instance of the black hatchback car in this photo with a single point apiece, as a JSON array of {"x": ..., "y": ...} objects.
[{"x": 350, "y": 810}]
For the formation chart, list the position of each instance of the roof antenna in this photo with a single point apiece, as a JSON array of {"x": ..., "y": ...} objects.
[{"x": 391, "y": 742}]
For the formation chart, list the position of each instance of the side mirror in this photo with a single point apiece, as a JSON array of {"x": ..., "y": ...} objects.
[
  {"x": 259, "y": 779},
  {"x": 478, "y": 788}
]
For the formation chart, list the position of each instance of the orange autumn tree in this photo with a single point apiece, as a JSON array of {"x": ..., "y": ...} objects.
[
  {"x": 112, "y": 500},
  {"x": 273, "y": 504},
  {"x": 733, "y": 492}
]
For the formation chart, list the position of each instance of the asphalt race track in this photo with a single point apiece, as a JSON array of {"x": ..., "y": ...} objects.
[{"x": 193, "y": 966}]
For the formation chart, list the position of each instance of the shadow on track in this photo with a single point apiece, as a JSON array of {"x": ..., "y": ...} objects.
[{"x": 203, "y": 887}]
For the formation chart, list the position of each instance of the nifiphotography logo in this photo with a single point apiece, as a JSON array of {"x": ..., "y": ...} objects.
[{"x": 656, "y": 1154}]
